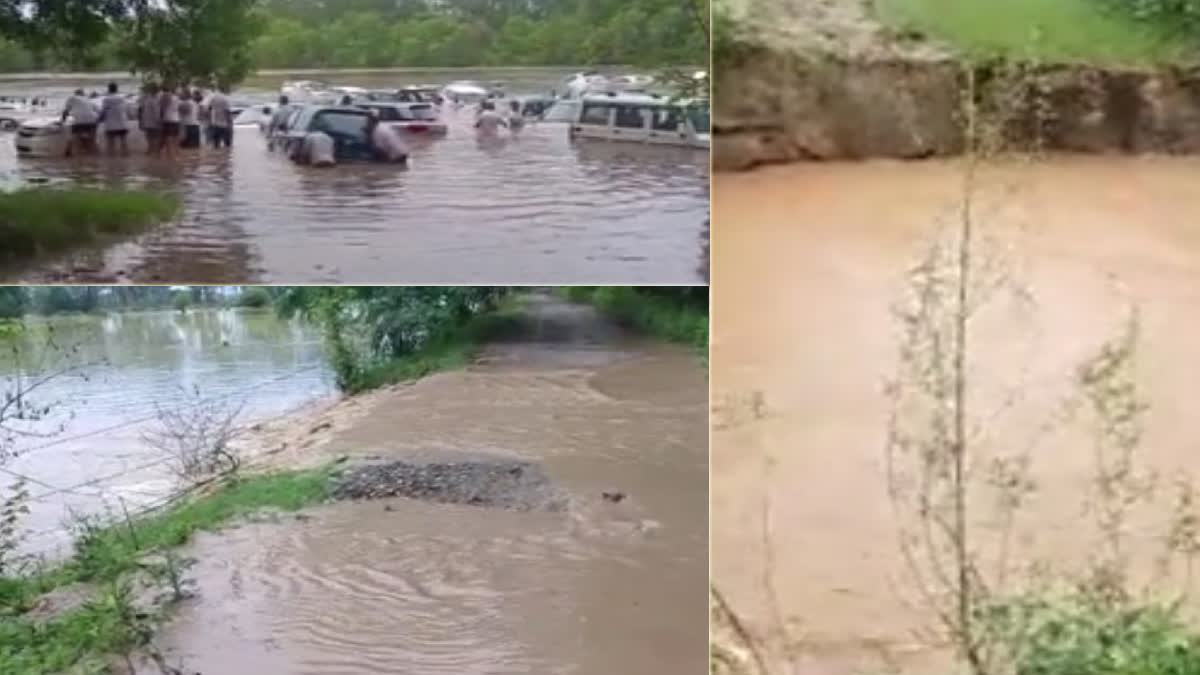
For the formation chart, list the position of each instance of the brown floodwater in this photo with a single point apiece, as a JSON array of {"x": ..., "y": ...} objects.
[
  {"x": 525, "y": 208},
  {"x": 808, "y": 261},
  {"x": 404, "y": 586}
]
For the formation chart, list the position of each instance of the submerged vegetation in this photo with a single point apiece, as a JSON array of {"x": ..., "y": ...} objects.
[
  {"x": 117, "y": 561},
  {"x": 34, "y": 221}
]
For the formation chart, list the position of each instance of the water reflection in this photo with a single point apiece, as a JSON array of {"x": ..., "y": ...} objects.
[
  {"x": 528, "y": 208},
  {"x": 133, "y": 363}
]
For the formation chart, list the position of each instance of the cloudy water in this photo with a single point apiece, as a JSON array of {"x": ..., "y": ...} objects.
[
  {"x": 530, "y": 207},
  {"x": 407, "y": 586},
  {"x": 810, "y": 259},
  {"x": 124, "y": 368}
]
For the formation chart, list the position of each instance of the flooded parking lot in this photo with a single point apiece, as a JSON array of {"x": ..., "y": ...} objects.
[{"x": 523, "y": 209}]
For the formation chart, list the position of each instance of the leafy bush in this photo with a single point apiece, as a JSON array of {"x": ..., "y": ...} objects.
[
  {"x": 1080, "y": 635},
  {"x": 255, "y": 297}
]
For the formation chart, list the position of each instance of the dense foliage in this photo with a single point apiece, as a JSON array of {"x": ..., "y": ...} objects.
[
  {"x": 1179, "y": 17},
  {"x": 223, "y": 39},
  {"x": 369, "y": 328},
  {"x": 675, "y": 313}
]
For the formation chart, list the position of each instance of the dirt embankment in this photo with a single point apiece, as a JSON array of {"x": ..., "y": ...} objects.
[{"x": 824, "y": 81}]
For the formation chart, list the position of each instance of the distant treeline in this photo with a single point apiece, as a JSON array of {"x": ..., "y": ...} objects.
[
  {"x": 450, "y": 33},
  {"x": 18, "y": 301}
]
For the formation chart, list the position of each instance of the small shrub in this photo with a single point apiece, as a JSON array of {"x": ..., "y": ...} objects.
[{"x": 255, "y": 297}]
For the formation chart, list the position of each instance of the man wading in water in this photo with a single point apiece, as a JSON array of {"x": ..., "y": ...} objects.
[
  {"x": 150, "y": 118},
  {"x": 114, "y": 122},
  {"x": 83, "y": 123},
  {"x": 220, "y": 118}
]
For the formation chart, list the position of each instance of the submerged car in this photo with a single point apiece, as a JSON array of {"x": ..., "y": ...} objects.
[
  {"x": 465, "y": 91},
  {"x": 642, "y": 118},
  {"x": 411, "y": 118},
  {"x": 345, "y": 125},
  {"x": 47, "y": 137}
]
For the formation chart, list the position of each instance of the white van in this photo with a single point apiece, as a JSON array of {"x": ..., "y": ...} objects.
[{"x": 642, "y": 118}]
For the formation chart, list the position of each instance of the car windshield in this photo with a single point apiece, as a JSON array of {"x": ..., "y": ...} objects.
[
  {"x": 701, "y": 119},
  {"x": 342, "y": 123}
]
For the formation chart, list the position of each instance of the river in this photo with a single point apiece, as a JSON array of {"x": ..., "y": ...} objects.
[
  {"x": 127, "y": 366},
  {"x": 808, "y": 260},
  {"x": 406, "y": 586},
  {"x": 525, "y": 209}
]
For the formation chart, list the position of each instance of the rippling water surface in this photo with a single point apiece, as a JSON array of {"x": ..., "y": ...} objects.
[
  {"x": 124, "y": 368},
  {"x": 527, "y": 208},
  {"x": 405, "y": 586}
]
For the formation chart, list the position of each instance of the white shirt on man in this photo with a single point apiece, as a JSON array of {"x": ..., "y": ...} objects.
[
  {"x": 388, "y": 142},
  {"x": 112, "y": 109},
  {"x": 219, "y": 111},
  {"x": 81, "y": 110}
]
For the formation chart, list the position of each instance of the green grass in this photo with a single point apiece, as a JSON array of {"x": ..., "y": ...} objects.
[
  {"x": 106, "y": 556},
  {"x": 46, "y": 220},
  {"x": 659, "y": 317},
  {"x": 451, "y": 351},
  {"x": 1044, "y": 30}
]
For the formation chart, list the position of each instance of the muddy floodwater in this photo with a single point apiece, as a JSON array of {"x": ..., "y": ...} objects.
[
  {"x": 89, "y": 456},
  {"x": 808, "y": 261},
  {"x": 408, "y": 586},
  {"x": 524, "y": 208}
]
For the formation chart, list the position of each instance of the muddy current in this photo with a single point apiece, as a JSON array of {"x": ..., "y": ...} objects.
[
  {"x": 809, "y": 263},
  {"x": 595, "y": 584}
]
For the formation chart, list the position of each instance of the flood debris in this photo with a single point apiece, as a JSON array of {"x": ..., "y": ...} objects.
[{"x": 512, "y": 485}]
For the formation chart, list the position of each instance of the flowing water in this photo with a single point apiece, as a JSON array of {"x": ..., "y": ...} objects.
[
  {"x": 529, "y": 207},
  {"x": 124, "y": 368},
  {"x": 809, "y": 259},
  {"x": 405, "y": 586}
]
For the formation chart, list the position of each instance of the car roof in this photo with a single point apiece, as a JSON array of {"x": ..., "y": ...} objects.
[{"x": 636, "y": 99}]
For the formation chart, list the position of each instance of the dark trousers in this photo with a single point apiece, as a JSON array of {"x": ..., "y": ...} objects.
[
  {"x": 220, "y": 136},
  {"x": 191, "y": 136}
]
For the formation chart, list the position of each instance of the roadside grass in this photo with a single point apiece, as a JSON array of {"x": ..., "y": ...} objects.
[
  {"x": 1060, "y": 31},
  {"x": 656, "y": 316},
  {"x": 451, "y": 351},
  {"x": 34, "y": 221},
  {"x": 107, "y": 555}
]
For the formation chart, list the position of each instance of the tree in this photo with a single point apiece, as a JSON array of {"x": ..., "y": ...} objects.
[
  {"x": 207, "y": 42},
  {"x": 13, "y": 302}
]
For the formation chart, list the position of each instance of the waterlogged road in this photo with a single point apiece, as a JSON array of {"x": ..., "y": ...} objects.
[
  {"x": 524, "y": 209},
  {"x": 811, "y": 258},
  {"x": 405, "y": 586}
]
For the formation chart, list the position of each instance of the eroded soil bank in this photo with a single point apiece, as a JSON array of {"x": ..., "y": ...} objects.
[
  {"x": 551, "y": 518},
  {"x": 824, "y": 81}
]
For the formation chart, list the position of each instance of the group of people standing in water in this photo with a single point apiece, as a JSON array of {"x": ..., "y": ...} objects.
[{"x": 171, "y": 118}]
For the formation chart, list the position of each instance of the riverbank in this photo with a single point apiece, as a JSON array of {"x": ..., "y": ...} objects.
[
  {"x": 805, "y": 84},
  {"x": 37, "y": 221},
  {"x": 666, "y": 315},
  {"x": 107, "y": 605}
]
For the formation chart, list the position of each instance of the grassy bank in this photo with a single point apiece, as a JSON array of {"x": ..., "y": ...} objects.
[
  {"x": 1046, "y": 30},
  {"x": 453, "y": 350},
  {"x": 108, "y": 558},
  {"x": 47, "y": 220},
  {"x": 671, "y": 319}
]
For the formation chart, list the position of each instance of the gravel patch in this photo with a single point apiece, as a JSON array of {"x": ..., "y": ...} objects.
[{"x": 517, "y": 486}]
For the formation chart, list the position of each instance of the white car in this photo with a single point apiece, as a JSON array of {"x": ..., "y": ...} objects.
[
  {"x": 642, "y": 118},
  {"x": 464, "y": 91},
  {"x": 47, "y": 137},
  {"x": 418, "y": 119}
]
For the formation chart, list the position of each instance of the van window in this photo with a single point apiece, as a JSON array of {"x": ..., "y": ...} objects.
[
  {"x": 630, "y": 117},
  {"x": 595, "y": 113},
  {"x": 342, "y": 123},
  {"x": 701, "y": 119},
  {"x": 665, "y": 119}
]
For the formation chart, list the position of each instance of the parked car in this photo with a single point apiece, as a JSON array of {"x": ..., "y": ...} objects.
[
  {"x": 346, "y": 125},
  {"x": 464, "y": 91},
  {"x": 642, "y": 118},
  {"x": 410, "y": 118}
]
